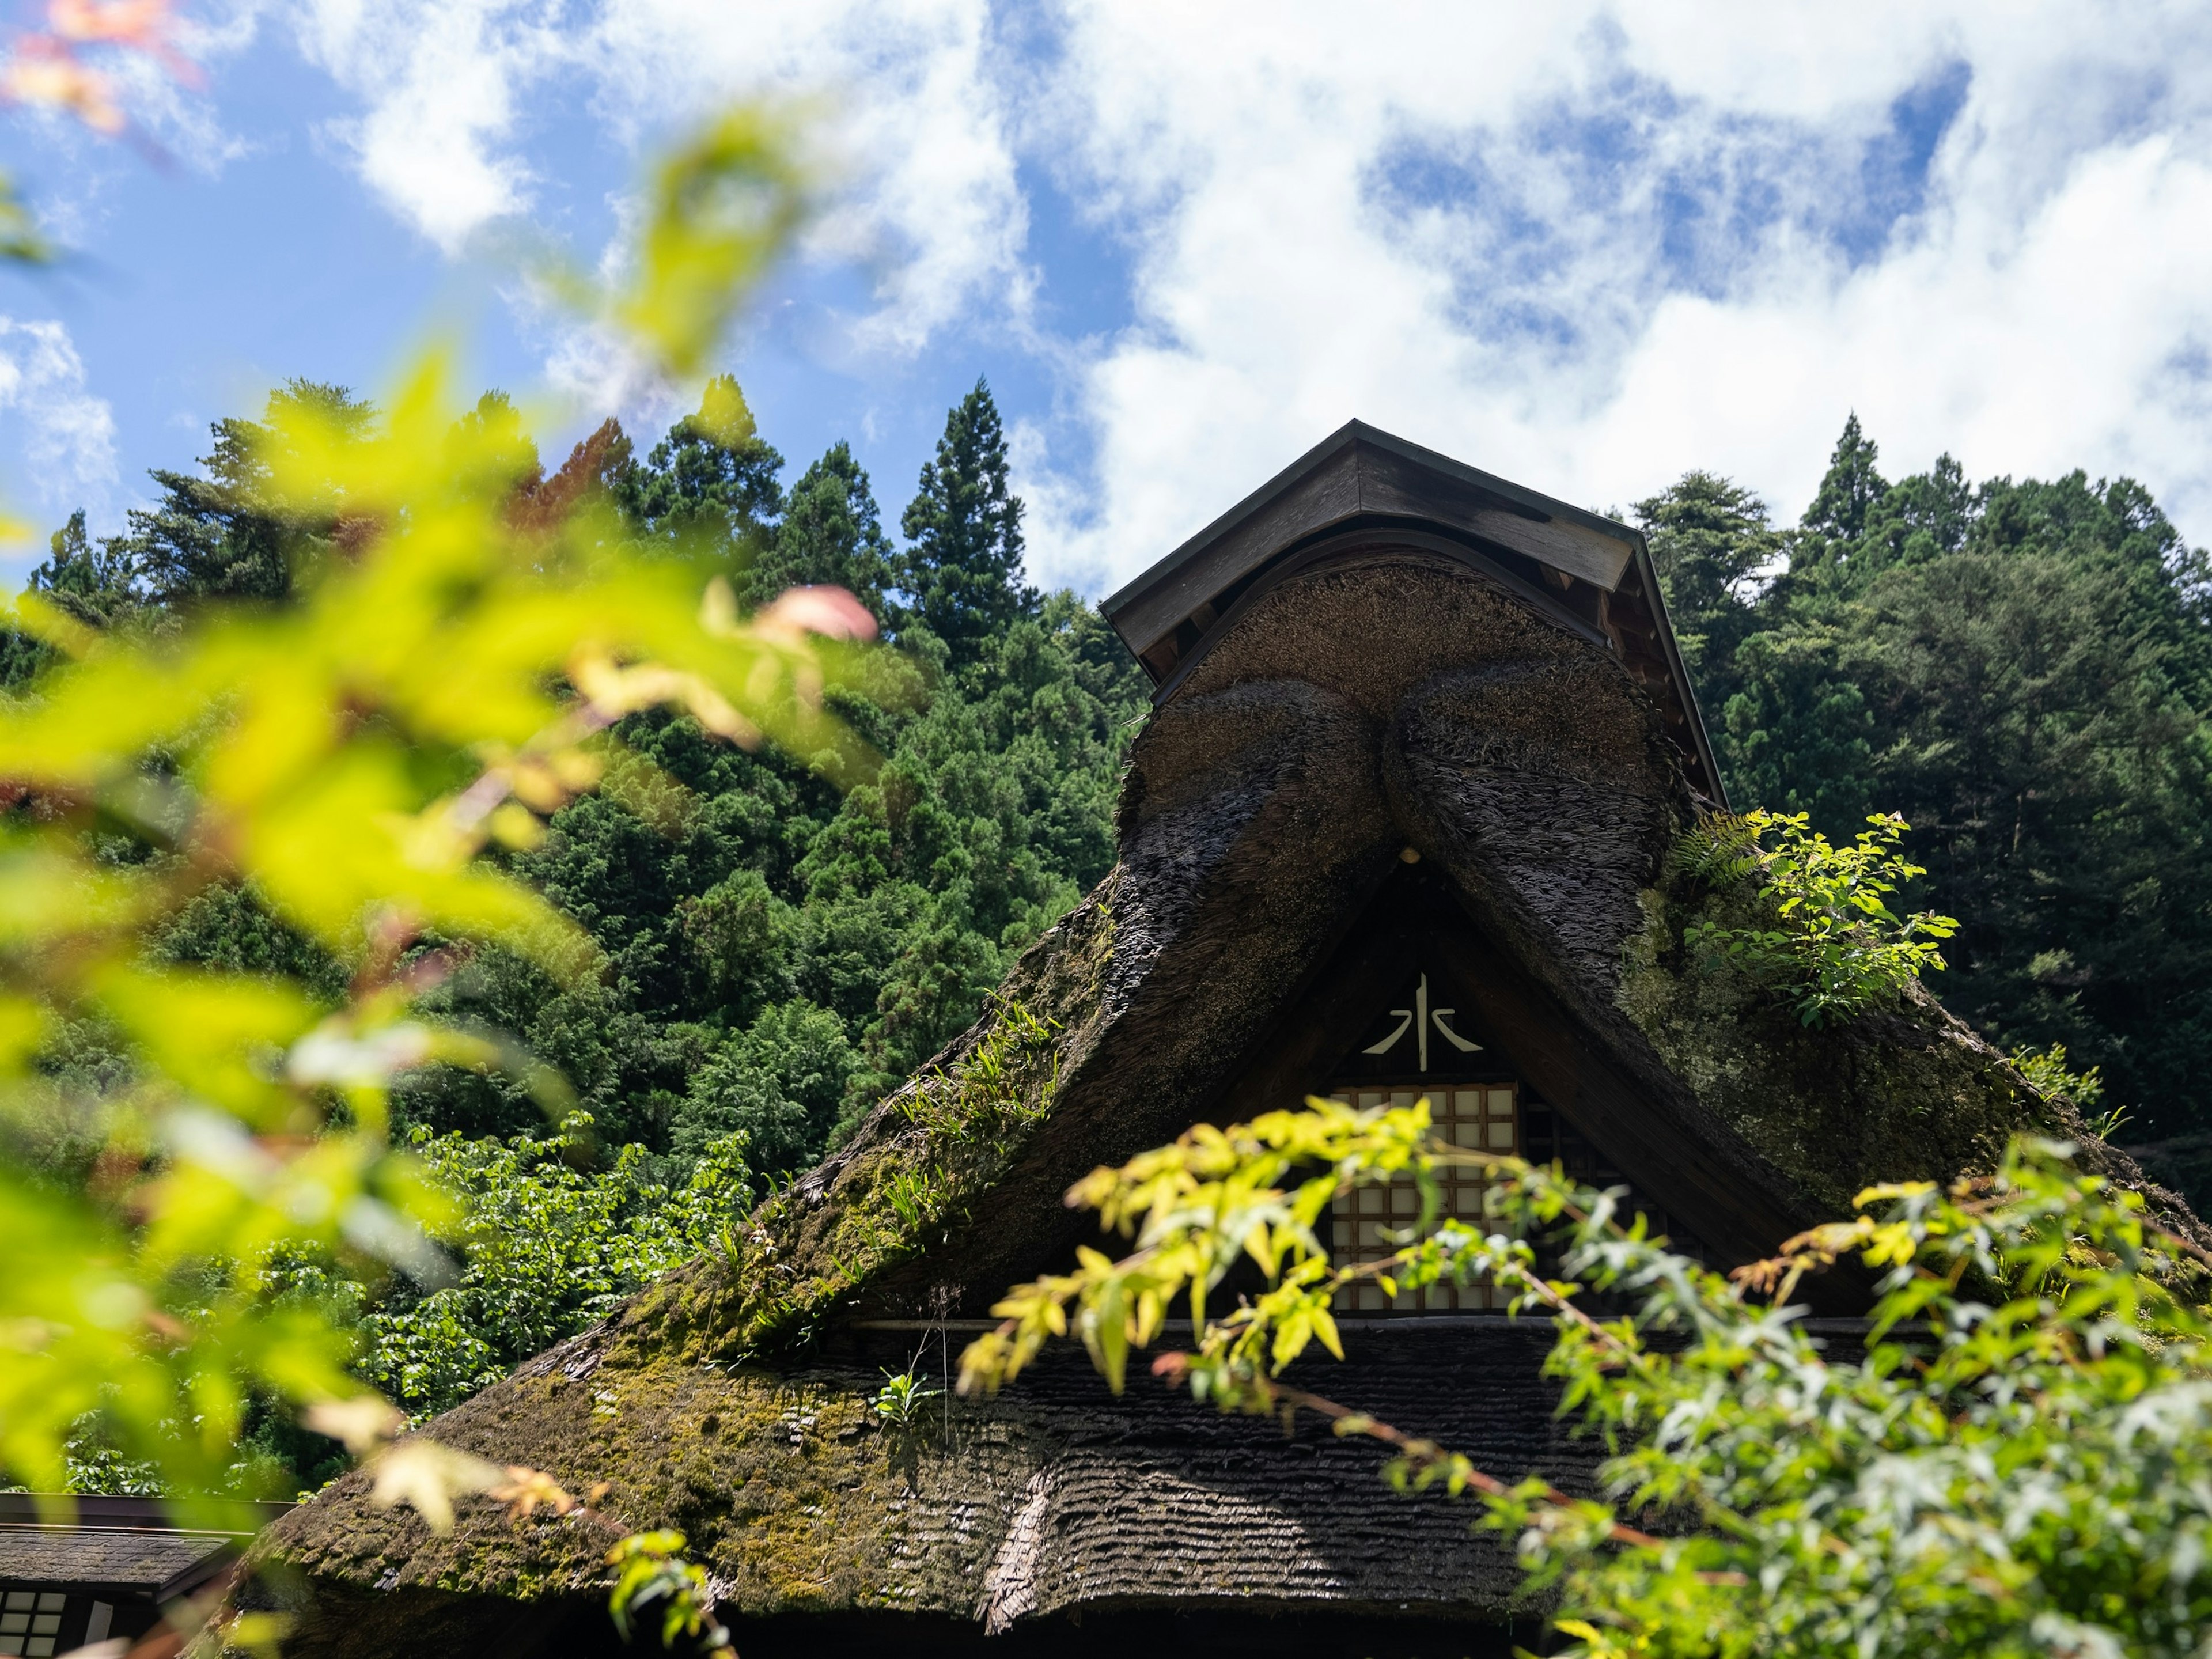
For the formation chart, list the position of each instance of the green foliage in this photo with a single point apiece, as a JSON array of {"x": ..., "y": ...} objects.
[
  {"x": 2016, "y": 1462},
  {"x": 547, "y": 1249},
  {"x": 754, "y": 894},
  {"x": 1836, "y": 948},
  {"x": 221, "y": 534},
  {"x": 1794, "y": 729},
  {"x": 965, "y": 1126},
  {"x": 1851, "y": 490},
  {"x": 1710, "y": 541},
  {"x": 711, "y": 478},
  {"x": 257, "y": 823},
  {"x": 1198, "y": 1207},
  {"x": 741, "y": 905},
  {"x": 650, "y": 1567},
  {"x": 901, "y": 1400},
  {"x": 334, "y": 827},
  {"x": 1002, "y": 1084},
  {"x": 832, "y": 533},
  {"x": 2047, "y": 1073},
  {"x": 771, "y": 956},
  {"x": 2023, "y": 669},
  {"x": 778, "y": 1083},
  {"x": 232, "y": 534},
  {"x": 91, "y": 585},
  {"x": 736, "y": 901},
  {"x": 1720, "y": 849}
]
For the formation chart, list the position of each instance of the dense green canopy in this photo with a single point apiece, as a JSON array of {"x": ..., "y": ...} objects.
[
  {"x": 776, "y": 955},
  {"x": 773, "y": 955},
  {"x": 2023, "y": 670}
]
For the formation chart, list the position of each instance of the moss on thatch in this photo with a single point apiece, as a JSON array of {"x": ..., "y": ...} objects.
[
  {"x": 1908, "y": 1091},
  {"x": 914, "y": 1171},
  {"x": 795, "y": 1494}
]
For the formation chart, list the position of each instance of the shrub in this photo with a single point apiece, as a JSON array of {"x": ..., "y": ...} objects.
[
  {"x": 1835, "y": 948},
  {"x": 2015, "y": 1458}
]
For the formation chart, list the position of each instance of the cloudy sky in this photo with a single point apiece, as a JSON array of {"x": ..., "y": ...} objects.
[{"x": 1588, "y": 246}]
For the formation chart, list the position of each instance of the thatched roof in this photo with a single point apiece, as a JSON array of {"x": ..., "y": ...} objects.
[{"x": 1384, "y": 745}]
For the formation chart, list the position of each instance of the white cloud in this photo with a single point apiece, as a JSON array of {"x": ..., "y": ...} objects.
[
  {"x": 591, "y": 371},
  {"x": 1590, "y": 248},
  {"x": 1585, "y": 245},
  {"x": 175, "y": 111},
  {"x": 2035, "y": 347},
  {"x": 441, "y": 80},
  {"x": 928, "y": 196},
  {"x": 66, "y": 435}
]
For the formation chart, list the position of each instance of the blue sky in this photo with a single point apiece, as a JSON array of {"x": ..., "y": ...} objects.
[{"x": 1586, "y": 246}]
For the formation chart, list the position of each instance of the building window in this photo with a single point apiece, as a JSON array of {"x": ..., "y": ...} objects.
[
  {"x": 1484, "y": 1117},
  {"x": 31, "y": 1621}
]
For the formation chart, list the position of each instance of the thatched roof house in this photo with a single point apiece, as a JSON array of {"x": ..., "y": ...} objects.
[{"x": 1399, "y": 822}]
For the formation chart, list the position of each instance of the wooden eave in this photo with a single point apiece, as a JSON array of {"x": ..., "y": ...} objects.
[{"x": 1595, "y": 570}]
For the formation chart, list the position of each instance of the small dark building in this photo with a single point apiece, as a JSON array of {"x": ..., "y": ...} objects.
[
  {"x": 105, "y": 1575},
  {"x": 1398, "y": 825}
]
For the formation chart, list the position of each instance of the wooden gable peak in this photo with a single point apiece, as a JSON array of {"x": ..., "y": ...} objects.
[{"x": 1587, "y": 572}]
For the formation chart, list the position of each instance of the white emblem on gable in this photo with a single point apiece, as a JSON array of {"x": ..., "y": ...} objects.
[{"x": 1418, "y": 1018}]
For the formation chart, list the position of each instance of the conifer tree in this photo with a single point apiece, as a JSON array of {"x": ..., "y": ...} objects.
[
  {"x": 961, "y": 574},
  {"x": 712, "y": 476},
  {"x": 2022, "y": 670},
  {"x": 1849, "y": 489},
  {"x": 1709, "y": 539},
  {"x": 603, "y": 463},
  {"x": 94, "y": 583},
  {"x": 215, "y": 536},
  {"x": 832, "y": 532}
]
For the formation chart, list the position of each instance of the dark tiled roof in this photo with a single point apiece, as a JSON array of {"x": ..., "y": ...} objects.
[{"x": 149, "y": 1562}]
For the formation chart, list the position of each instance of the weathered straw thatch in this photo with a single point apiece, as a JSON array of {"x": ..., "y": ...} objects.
[{"x": 1389, "y": 725}]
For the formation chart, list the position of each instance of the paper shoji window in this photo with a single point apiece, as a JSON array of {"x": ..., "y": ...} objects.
[
  {"x": 1485, "y": 1116},
  {"x": 31, "y": 1621}
]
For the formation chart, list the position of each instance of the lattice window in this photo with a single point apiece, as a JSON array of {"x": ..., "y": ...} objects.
[
  {"x": 1485, "y": 1116},
  {"x": 31, "y": 1621}
]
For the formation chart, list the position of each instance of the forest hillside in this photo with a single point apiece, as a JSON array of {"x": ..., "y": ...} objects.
[
  {"x": 2022, "y": 668},
  {"x": 774, "y": 955}
]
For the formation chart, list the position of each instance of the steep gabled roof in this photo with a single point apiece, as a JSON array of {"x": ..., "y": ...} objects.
[{"x": 1588, "y": 572}]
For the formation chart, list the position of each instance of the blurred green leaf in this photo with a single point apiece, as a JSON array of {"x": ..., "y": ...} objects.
[{"x": 436, "y": 685}]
